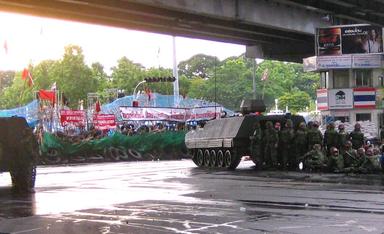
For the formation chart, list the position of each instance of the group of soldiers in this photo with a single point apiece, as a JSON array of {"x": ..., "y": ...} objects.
[{"x": 335, "y": 151}]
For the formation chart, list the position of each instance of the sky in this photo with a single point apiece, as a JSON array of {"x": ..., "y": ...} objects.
[{"x": 31, "y": 39}]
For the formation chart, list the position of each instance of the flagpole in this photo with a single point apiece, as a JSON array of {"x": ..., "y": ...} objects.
[{"x": 176, "y": 75}]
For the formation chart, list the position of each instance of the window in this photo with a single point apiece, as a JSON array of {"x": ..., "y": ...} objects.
[
  {"x": 324, "y": 79},
  {"x": 363, "y": 117},
  {"x": 363, "y": 78},
  {"x": 340, "y": 79},
  {"x": 342, "y": 119},
  {"x": 381, "y": 80}
]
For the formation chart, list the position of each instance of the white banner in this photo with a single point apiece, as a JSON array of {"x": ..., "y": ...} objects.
[
  {"x": 169, "y": 114},
  {"x": 366, "y": 61},
  {"x": 332, "y": 62},
  {"x": 310, "y": 64},
  {"x": 340, "y": 99}
]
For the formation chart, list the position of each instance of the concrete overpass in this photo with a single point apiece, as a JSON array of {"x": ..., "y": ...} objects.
[{"x": 281, "y": 29}]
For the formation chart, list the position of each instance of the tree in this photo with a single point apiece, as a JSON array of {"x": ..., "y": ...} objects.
[
  {"x": 126, "y": 75},
  {"x": 198, "y": 65},
  {"x": 296, "y": 101}
]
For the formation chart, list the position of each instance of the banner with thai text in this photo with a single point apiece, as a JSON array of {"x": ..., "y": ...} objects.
[
  {"x": 72, "y": 117},
  {"x": 104, "y": 121},
  {"x": 169, "y": 114}
]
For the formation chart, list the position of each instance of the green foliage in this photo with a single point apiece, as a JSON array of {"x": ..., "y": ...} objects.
[
  {"x": 199, "y": 65},
  {"x": 296, "y": 101}
]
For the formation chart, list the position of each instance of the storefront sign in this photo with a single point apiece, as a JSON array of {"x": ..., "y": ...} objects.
[
  {"x": 72, "y": 117},
  {"x": 366, "y": 61},
  {"x": 334, "y": 62},
  {"x": 104, "y": 121},
  {"x": 340, "y": 99}
]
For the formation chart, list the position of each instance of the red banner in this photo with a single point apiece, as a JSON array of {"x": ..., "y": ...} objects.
[
  {"x": 104, "y": 121},
  {"x": 48, "y": 95},
  {"x": 72, "y": 117}
]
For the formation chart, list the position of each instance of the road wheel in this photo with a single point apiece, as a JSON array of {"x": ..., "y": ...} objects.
[
  {"x": 213, "y": 158},
  {"x": 200, "y": 158},
  {"x": 227, "y": 158},
  {"x": 220, "y": 158},
  {"x": 207, "y": 160}
]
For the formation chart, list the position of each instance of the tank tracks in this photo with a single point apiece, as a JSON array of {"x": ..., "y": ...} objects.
[{"x": 216, "y": 158}]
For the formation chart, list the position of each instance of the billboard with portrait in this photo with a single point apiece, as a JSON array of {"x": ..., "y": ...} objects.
[{"x": 351, "y": 39}]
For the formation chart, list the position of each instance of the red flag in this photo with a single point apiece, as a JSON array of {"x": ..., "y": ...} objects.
[
  {"x": 25, "y": 73},
  {"x": 47, "y": 95},
  {"x": 97, "y": 107}
]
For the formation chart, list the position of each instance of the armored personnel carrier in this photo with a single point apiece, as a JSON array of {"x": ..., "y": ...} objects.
[
  {"x": 222, "y": 142},
  {"x": 18, "y": 153}
]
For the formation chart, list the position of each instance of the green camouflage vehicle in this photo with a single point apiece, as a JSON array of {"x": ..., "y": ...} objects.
[{"x": 18, "y": 153}]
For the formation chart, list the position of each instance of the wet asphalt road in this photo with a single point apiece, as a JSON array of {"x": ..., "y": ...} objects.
[{"x": 177, "y": 197}]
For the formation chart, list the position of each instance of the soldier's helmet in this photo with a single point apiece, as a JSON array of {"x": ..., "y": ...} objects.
[
  {"x": 268, "y": 124},
  {"x": 302, "y": 125},
  {"x": 348, "y": 144},
  {"x": 341, "y": 127},
  {"x": 357, "y": 126},
  {"x": 331, "y": 125},
  {"x": 289, "y": 123}
]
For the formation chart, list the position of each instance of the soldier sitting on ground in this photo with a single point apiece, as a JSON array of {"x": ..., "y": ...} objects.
[
  {"x": 335, "y": 161},
  {"x": 315, "y": 160},
  {"x": 349, "y": 154},
  {"x": 357, "y": 164},
  {"x": 372, "y": 164}
]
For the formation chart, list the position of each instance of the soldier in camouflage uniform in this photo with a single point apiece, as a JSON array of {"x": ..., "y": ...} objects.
[
  {"x": 286, "y": 138},
  {"x": 314, "y": 136},
  {"x": 358, "y": 163},
  {"x": 315, "y": 160},
  {"x": 335, "y": 161},
  {"x": 343, "y": 138},
  {"x": 271, "y": 141},
  {"x": 349, "y": 154},
  {"x": 357, "y": 137},
  {"x": 331, "y": 138},
  {"x": 256, "y": 145},
  {"x": 300, "y": 142}
]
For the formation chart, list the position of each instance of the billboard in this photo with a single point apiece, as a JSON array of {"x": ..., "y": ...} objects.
[
  {"x": 72, "y": 117},
  {"x": 104, "y": 121},
  {"x": 340, "y": 99},
  {"x": 352, "y": 39}
]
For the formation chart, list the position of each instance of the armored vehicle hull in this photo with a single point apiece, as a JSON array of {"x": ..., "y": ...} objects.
[
  {"x": 18, "y": 153},
  {"x": 222, "y": 142}
]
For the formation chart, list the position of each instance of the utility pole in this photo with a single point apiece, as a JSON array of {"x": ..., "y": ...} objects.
[{"x": 176, "y": 75}]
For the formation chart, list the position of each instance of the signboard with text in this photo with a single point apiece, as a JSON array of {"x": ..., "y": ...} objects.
[
  {"x": 104, "y": 121},
  {"x": 340, "y": 99},
  {"x": 72, "y": 117}
]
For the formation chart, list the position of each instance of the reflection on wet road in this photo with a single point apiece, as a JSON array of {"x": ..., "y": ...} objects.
[{"x": 177, "y": 197}]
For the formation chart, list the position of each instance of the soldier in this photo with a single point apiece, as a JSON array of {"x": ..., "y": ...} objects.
[
  {"x": 335, "y": 161},
  {"x": 357, "y": 137},
  {"x": 349, "y": 154},
  {"x": 256, "y": 143},
  {"x": 271, "y": 141},
  {"x": 314, "y": 135},
  {"x": 331, "y": 138},
  {"x": 357, "y": 165},
  {"x": 315, "y": 160},
  {"x": 300, "y": 142},
  {"x": 287, "y": 136},
  {"x": 372, "y": 164},
  {"x": 343, "y": 138}
]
